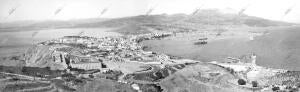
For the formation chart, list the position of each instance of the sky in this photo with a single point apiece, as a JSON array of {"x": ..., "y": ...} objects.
[{"x": 79, "y": 9}]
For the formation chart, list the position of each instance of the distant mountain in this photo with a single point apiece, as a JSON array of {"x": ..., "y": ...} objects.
[
  {"x": 134, "y": 20},
  {"x": 48, "y": 24},
  {"x": 211, "y": 17},
  {"x": 182, "y": 22},
  {"x": 143, "y": 23},
  {"x": 217, "y": 17},
  {"x": 16, "y": 24}
]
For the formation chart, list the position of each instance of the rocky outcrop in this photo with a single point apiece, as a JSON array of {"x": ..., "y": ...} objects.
[{"x": 44, "y": 56}]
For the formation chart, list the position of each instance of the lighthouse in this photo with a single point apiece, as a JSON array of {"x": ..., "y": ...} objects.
[{"x": 253, "y": 59}]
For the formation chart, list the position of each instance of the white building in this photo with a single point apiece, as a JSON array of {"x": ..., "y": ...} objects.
[
  {"x": 253, "y": 59},
  {"x": 86, "y": 66}
]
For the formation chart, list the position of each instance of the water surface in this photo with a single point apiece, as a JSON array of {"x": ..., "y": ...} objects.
[
  {"x": 16, "y": 42},
  {"x": 278, "y": 49}
]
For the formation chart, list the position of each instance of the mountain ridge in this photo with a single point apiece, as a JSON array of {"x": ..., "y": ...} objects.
[{"x": 203, "y": 17}]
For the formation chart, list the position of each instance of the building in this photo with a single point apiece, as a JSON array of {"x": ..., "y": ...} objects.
[
  {"x": 253, "y": 59},
  {"x": 87, "y": 66}
]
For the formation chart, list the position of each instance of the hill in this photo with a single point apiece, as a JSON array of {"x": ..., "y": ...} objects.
[
  {"x": 144, "y": 24},
  {"x": 182, "y": 22}
]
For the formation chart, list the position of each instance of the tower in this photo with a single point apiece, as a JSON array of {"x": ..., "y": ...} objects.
[{"x": 253, "y": 59}]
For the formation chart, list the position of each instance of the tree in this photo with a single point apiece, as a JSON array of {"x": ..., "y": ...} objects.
[
  {"x": 275, "y": 88},
  {"x": 241, "y": 82},
  {"x": 254, "y": 84}
]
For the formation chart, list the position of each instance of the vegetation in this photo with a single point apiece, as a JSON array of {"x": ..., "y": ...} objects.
[
  {"x": 290, "y": 78},
  {"x": 275, "y": 88},
  {"x": 241, "y": 82},
  {"x": 150, "y": 88},
  {"x": 254, "y": 84}
]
